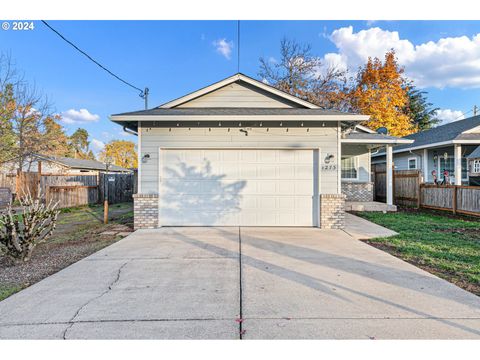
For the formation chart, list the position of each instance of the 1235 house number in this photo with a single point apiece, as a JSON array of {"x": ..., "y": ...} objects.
[{"x": 329, "y": 167}]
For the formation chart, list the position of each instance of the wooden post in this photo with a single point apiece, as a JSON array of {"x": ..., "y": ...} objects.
[
  {"x": 454, "y": 199},
  {"x": 419, "y": 189},
  {"x": 105, "y": 211},
  {"x": 393, "y": 183}
]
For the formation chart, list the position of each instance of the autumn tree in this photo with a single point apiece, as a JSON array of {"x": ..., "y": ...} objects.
[
  {"x": 57, "y": 143},
  {"x": 300, "y": 73},
  {"x": 122, "y": 153},
  {"x": 7, "y": 107},
  {"x": 381, "y": 93}
]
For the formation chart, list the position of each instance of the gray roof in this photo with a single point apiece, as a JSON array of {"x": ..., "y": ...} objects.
[
  {"x": 233, "y": 111},
  {"x": 447, "y": 132},
  {"x": 474, "y": 154},
  {"x": 81, "y": 163}
]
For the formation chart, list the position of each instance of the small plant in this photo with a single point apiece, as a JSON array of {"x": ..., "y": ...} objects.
[{"x": 21, "y": 233}]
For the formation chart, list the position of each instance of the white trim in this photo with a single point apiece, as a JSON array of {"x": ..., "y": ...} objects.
[
  {"x": 457, "y": 157},
  {"x": 160, "y": 176},
  {"x": 366, "y": 129},
  {"x": 475, "y": 166},
  {"x": 139, "y": 155},
  {"x": 292, "y": 117},
  {"x": 389, "y": 174},
  {"x": 230, "y": 80},
  {"x": 425, "y": 165},
  {"x": 339, "y": 159},
  {"x": 416, "y": 163},
  {"x": 377, "y": 141}
]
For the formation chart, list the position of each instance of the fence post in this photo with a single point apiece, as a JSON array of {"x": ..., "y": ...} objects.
[
  {"x": 419, "y": 190},
  {"x": 454, "y": 200}
]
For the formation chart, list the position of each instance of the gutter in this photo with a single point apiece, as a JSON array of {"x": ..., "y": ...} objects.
[{"x": 129, "y": 131}]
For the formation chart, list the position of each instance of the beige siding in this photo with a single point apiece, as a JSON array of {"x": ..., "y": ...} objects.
[
  {"x": 155, "y": 138},
  {"x": 238, "y": 95}
]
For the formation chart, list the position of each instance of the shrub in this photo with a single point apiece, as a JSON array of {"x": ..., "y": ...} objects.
[{"x": 21, "y": 233}]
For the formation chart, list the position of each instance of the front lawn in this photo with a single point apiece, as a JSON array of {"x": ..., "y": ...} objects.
[
  {"x": 446, "y": 246},
  {"x": 79, "y": 233}
]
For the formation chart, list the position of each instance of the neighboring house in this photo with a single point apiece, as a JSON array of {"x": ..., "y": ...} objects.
[
  {"x": 444, "y": 147},
  {"x": 474, "y": 167},
  {"x": 62, "y": 165},
  {"x": 240, "y": 152}
]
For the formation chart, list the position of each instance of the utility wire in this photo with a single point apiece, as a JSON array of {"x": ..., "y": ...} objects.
[{"x": 142, "y": 92}]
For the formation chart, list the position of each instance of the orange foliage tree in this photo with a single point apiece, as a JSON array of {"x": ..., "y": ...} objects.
[
  {"x": 380, "y": 92},
  {"x": 122, "y": 153}
]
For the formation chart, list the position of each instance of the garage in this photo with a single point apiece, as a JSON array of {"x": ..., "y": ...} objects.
[{"x": 238, "y": 187}]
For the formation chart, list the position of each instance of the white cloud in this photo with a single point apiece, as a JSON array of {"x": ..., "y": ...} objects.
[
  {"x": 73, "y": 116},
  {"x": 448, "y": 62},
  {"x": 124, "y": 133},
  {"x": 224, "y": 47},
  {"x": 447, "y": 116},
  {"x": 97, "y": 145}
]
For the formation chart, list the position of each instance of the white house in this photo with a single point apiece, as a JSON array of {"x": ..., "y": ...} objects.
[{"x": 240, "y": 152}]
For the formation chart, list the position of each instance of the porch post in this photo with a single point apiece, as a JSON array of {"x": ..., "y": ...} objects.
[
  {"x": 458, "y": 164},
  {"x": 425, "y": 165},
  {"x": 389, "y": 173}
]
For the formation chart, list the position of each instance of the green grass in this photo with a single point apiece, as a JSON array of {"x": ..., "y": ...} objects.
[
  {"x": 441, "y": 244},
  {"x": 7, "y": 290}
]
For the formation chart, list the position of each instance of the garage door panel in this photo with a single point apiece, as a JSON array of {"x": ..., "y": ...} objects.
[{"x": 236, "y": 187}]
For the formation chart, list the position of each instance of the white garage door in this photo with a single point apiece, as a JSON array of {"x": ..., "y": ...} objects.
[{"x": 237, "y": 187}]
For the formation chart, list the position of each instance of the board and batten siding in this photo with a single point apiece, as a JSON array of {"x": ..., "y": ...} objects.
[
  {"x": 238, "y": 95},
  {"x": 153, "y": 139}
]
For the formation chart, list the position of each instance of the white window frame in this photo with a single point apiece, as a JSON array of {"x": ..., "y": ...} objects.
[
  {"x": 476, "y": 166},
  {"x": 416, "y": 163},
  {"x": 356, "y": 167}
]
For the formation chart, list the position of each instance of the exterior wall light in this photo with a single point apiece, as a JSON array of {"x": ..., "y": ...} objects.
[{"x": 145, "y": 158}]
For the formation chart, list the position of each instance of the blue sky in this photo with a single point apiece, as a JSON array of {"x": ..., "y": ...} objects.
[{"x": 174, "y": 57}]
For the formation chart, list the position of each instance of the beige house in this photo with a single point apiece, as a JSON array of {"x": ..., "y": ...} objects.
[{"x": 242, "y": 153}]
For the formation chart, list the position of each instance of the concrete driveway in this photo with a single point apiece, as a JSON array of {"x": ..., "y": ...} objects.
[{"x": 253, "y": 283}]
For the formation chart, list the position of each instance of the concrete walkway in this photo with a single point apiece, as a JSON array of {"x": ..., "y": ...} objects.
[
  {"x": 362, "y": 229},
  {"x": 250, "y": 283}
]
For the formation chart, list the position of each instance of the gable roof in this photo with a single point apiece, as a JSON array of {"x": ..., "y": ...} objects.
[
  {"x": 236, "y": 78},
  {"x": 80, "y": 163},
  {"x": 474, "y": 154}
]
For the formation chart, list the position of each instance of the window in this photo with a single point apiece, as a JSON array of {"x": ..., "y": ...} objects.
[
  {"x": 412, "y": 163},
  {"x": 449, "y": 165},
  {"x": 350, "y": 167},
  {"x": 476, "y": 166}
]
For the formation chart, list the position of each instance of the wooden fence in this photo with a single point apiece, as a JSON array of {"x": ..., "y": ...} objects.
[
  {"x": 73, "y": 189},
  {"x": 405, "y": 185},
  {"x": 455, "y": 198},
  {"x": 409, "y": 190}
]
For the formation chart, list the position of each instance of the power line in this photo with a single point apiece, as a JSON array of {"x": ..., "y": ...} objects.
[
  {"x": 238, "y": 47},
  {"x": 143, "y": 93}
]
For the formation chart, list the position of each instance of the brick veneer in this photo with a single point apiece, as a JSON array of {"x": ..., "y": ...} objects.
[
  {"x": 145, "y": 209},
  {"x": 357, "y": 191},
  {"x": 332, "y": 211}
]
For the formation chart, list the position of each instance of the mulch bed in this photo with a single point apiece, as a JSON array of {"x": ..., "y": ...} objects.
[{"x": 54, "y": 255}]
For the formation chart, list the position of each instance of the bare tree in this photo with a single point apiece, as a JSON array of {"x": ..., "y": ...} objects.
[
  {"x": 300, "y": 73},
  {"x": 26, "y": 117}
]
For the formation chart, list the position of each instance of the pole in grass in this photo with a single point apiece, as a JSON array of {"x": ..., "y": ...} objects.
[{"x": 108, "y": 162}]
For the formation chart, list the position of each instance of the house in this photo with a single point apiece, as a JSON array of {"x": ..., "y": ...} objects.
[
  {"x": 56, "y": 164},
  {"x": 240, "y": 152},
  {"x": 474, "y": 167},
  {"x": 444, "y": 147}
]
